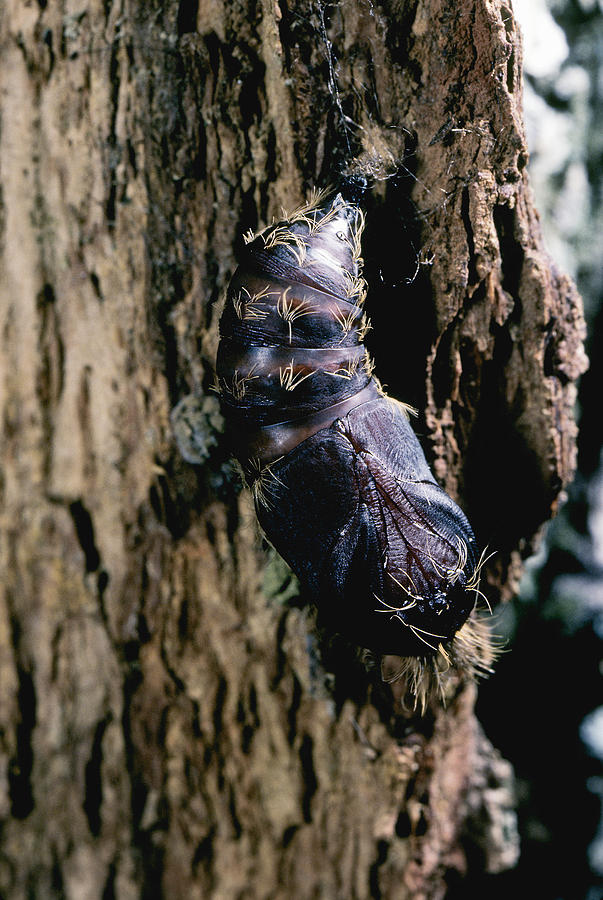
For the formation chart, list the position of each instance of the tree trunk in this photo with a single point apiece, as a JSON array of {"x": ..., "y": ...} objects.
[{"x": 164, "y": 729}]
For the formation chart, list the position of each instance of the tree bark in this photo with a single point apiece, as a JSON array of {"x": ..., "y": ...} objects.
[{"x": 164, "y": 730}]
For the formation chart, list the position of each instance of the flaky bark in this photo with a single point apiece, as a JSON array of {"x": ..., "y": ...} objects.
[{"x": 162, "y": 730}]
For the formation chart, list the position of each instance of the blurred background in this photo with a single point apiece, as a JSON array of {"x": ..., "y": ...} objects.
[{"x": 543, "y": 708}]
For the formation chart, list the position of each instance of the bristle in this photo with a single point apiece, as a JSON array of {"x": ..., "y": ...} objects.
[
  {"x": 315, "y": 199},
  {"x": 469, "y": 655},
  {"x": 282, "y": 236},
  {"x": 264, "y": 483}
]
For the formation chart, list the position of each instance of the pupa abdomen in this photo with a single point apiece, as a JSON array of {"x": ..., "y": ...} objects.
[{"x": 291, "y": 356}]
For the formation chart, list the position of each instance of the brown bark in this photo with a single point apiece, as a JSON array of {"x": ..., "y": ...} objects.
[{"x": 161, "y": 729}]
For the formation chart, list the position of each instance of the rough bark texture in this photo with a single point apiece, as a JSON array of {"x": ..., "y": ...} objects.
[{"x": 163, "y": 732}]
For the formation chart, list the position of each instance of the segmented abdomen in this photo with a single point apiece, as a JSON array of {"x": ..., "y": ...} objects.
[{"x": 291, "y": 356}]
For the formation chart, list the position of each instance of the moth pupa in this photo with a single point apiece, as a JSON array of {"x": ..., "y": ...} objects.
[{"x": 341, "y": 485}]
